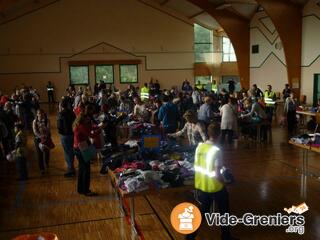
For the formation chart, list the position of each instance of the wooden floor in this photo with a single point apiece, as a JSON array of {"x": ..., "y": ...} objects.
[{"x": 267, "y": 180}]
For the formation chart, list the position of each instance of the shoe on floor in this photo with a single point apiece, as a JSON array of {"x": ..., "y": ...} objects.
[
  {"x": 91, "y": 194},
  {"x": 233, "y": 238},
  {"x": 69, "y": 174}
]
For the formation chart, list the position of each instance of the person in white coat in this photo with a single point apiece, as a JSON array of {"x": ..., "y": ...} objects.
[{"x": 229, "y": 118}]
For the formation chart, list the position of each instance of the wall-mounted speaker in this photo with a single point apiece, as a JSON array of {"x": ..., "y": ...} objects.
[{"x": 254, "y": 49}]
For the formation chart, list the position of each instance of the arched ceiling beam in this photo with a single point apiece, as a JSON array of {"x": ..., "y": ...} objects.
[
  {"x": 287, "y": 18},
  {"x": 5, "y": 4},
  {"x": 237, "y": 29}
]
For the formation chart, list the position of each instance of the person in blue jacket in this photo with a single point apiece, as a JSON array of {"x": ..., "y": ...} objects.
[{"x": 168, "y": 115}]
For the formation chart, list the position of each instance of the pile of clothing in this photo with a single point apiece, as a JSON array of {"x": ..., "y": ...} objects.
[
  {"x": 171, "y": 165},
  {"x": 140, "y": 180},
  {"x": 137, "y": 129},
  {"x": 130, "y": 167},
  {"x": 138, "y": 176},
  {"x": 305, "y": 139}
]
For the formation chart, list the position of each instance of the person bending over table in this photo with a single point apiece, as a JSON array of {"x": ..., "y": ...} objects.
[
  {"x": 256, "y": 113},
  {"x": 255, "y": 116},
  {"x": 196, "y": 131}
]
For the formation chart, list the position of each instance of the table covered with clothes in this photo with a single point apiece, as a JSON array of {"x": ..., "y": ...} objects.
[
  {"x": 168, "y": 168},
  {"x": 307, "y": 143}
]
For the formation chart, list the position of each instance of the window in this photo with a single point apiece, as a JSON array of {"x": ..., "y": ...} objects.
[
  {"x": 203, "y": 79},
  {"x": 79, "y": 75},
  {"x": 203, "y": 46},
  {"x": 228, "y": 51},
  {"x": 104, "y": 73},
  {"x": 128, "y": 73}
]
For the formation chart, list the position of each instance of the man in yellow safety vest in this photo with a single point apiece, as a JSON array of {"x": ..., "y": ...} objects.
[
  {"x": 208, "y": 185},
  {"x": 214, "y": 86},
  {"x": 199, "y": 86},
  {"x": 270, "y": 101},
  {"x": 144, "y": 92}
]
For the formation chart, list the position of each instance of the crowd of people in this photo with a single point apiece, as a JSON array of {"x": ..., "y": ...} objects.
[
  {"x": 88, "y": 121},
  {"x": 85, "y": 114}
]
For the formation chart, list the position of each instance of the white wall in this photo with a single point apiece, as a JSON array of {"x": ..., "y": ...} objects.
[
  {"x": 310, "y": 48},
  {"x": 33, "y": 46},
  {"x": 269, "y": 65}
]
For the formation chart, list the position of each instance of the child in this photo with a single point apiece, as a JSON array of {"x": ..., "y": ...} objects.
[{"x": 20, "y": 152}]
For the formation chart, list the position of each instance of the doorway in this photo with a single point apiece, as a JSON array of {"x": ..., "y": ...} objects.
[{"x": 316, "y": 89}]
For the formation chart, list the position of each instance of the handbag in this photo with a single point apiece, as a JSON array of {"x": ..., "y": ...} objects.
[
  {"x": 11, "y": 157},
  {"x": 88, "y": 151}
]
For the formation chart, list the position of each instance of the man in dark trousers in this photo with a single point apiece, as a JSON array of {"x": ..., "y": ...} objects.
[
  {"x": 207, "y": 181},
  {"x": 65, "y": 120},
  {"x": 50, "y": 90},
  {"x": 231, "y": 86}
]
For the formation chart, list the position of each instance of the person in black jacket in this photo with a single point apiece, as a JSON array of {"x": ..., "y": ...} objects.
[
  {"x": 65, "y": 120},
  {"x": 110, "y": 123}
]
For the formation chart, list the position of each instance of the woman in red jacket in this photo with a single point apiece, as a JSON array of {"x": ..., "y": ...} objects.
[{"x": 82, "y": 128}]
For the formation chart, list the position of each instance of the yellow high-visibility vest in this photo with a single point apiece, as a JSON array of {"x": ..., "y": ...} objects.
[
  {"x": 214, "y": 87},
  {"x": 199, "y": 86},
  {"x": 144, "y": 93},
  {"x": 205, "y": 178},
  {"x": 268, "y": 98}
]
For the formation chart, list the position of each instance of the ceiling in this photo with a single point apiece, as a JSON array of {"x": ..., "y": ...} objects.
[
  {"x": 9, "y": 9},
  {"x": 243, "y": 8}
]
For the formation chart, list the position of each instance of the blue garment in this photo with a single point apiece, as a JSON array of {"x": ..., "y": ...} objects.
[
  {"x": 187, "y": 88},
  {"x": 205, "y": 113},
  {"x": 67, "y": 144},
  {"x": 169, "y": 116}
]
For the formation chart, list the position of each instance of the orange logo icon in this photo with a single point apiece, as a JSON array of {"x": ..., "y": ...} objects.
[{"x": 185, "y": 218}]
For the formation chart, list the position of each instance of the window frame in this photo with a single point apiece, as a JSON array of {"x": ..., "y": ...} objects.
[
  {"x": 120, "y": 79},
  {"x": 195, "y": 78},
  {"x": 95, "y": 72},
  {"x": 195, "y": 43},
  {"x": 88, "y": 75},
  {"x": 229, "y": 52}
]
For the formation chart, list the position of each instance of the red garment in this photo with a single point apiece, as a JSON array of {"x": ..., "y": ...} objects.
[
  {"x": 3, "y": 100},
  {"x": 81, "y": 133},
  {"x": 77, "y": 110},
  {"x": 134, "y": 165}
]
